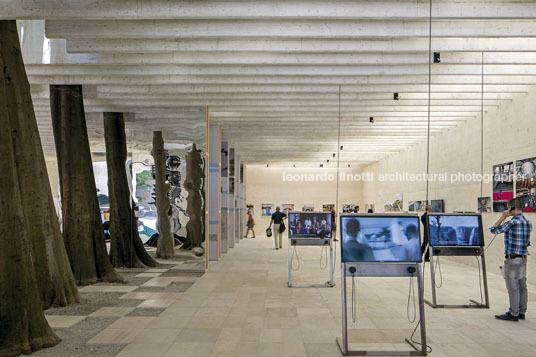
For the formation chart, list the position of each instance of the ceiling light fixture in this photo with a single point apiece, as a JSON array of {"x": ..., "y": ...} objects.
[
  {"x": 371, "y": 120},
  {"x": 395, "y": 96},
  {"x": 437, "y": 57}
]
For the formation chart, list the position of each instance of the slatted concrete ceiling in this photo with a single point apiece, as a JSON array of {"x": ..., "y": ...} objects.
[{"x": 270, "y": 71}]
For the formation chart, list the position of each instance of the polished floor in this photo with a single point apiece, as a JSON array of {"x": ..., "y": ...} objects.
[{"x": 243, "y": 307}]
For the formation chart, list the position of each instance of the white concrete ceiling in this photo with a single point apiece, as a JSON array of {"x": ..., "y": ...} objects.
[{"x": 270, "y": 71}]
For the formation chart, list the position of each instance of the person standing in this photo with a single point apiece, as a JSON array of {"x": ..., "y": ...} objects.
[
  {"x": 334, "y": 224},
  {"x": 250, "y": 224},
  {"x": 426, "y": 239},
  {"x": 277, "y": 218},
  {"x": 516, "y": 241}
]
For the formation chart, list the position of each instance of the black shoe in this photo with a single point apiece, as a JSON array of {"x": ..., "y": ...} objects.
[
  {"x": 276, "y": 248},
  {"x": 507, "y": 317},
  {"x": 521, "y": 316}
]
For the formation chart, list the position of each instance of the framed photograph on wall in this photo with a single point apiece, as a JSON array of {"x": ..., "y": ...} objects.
[
  {"x": 285, "y": 207},
  {"x": 484, "y": 204},
  {"x": 438, "y": 206},
  {"x": 411, "y": 206},
  {"x": 503, "y": 185},
  {"x": 326, "y": 207},
  {"x": 526, "y": 183},
  {"x": 267, "y": 209},
  {"x": 308, "y": 207}
]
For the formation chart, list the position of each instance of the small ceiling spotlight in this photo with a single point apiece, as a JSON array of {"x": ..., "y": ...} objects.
[
  {"x": 371, "y": 120},
  {"x": 321, "y": 165},
  {"x": 348, "y": 165},
  {"x": 395, "y": 96},
  {"x": 437, "y": 57},
  {"x": 333, "y": 154},
  {"x": 342, "y": 147},
  {"x": 267, "y": 165},
  {"x": 293, "y": 165}
]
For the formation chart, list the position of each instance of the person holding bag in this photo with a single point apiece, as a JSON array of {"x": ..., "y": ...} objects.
[
  {"x": 250, "y": 224},
  {"x": 277, "y": 220}
]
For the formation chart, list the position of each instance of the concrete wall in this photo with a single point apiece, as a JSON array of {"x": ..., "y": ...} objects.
[
  {"x": 266, "y": 185},
  {"x": 509, "y": 134}
]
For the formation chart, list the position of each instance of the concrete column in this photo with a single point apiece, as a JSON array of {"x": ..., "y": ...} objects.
[
  {"x": 224, "y": 199},
  {"x": 231, "y": 194},
  {"x": 237, "y": 226},
  {"x": 242, "y": 201},
  {"x": 214, "y": 147}
]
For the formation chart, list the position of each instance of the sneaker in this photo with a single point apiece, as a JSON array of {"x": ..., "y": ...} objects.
[
  {"x": 521, "y": 316},
  {"x": 507, "y": 317}
]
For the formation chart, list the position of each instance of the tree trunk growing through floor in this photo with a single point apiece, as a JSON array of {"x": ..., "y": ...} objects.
[
  {"x": 23, "y": 327},
  {"x": 82, "y": 225},
  {"x": 54, "y": 278},
  {"x": 165, "y": 245},
  {"x": 194, "y": 175},
  {"x": 127, "y": 249}
]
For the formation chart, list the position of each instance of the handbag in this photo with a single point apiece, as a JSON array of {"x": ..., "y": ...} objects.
[
  {"x": 268, "y": 232},
  {"x": 282, "y": 227}
]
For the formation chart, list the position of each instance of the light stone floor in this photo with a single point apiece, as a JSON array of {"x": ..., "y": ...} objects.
[{"x": 243, "y": 307}]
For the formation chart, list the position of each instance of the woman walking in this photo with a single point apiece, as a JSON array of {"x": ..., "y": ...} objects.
[{"x": 250, "y": 224}]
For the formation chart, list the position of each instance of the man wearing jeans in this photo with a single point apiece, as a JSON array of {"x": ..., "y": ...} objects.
[
  {"x": 277, "y": 218},
  {"x": 516, "y": 240}
]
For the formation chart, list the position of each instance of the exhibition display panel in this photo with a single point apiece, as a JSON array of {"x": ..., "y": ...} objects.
[
  {"x": 310, "y": 229},
  {"x": 381, "y": 245},
  {"x": 457, "y": 234}
]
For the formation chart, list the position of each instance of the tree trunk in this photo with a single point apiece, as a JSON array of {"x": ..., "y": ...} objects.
[
  {"x": 127, "y": 249},
  {"x": 82, "y": 225},
  {"x": 165, "y": 246},
  {"x": 23, "y": 327},
  {"x": 194, "y": 175},
  {"x": 54, "y": 278}
]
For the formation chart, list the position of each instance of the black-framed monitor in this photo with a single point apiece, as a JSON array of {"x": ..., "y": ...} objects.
[
  {"x": 455, "y": 229},
  {"x": 380, "y": 238},
  {"x": 309, "y": 224}
]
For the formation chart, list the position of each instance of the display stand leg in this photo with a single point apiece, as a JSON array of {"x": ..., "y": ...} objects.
[
  {"x": 289, "y": 265},
  {"x": 474, "y": 304},
  {"x": 343, "y": 342}
]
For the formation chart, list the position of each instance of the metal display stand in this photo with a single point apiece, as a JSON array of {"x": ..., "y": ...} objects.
[
  {"x": 382, "y": 270},
  {"x": 458, "y": 251},
  {"x": 322, "y": 242}
]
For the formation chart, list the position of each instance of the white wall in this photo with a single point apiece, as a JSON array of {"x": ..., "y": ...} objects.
[
  {"x": 266, "y": 185},
  {"x": 509, "y": 135}
]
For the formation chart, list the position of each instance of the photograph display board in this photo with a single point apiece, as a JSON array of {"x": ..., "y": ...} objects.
[
  {"x": 309, "y": 224},
  {"x": 526, "y": 183},
  {"x": 503, "y": 185},
  {"x": 380, "y": 238},
  {"x": 455, "y": 229}
]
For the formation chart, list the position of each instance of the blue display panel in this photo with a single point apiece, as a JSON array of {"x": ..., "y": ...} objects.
[
  {"x": 455, "y": 230},
  {"x": 380, "y": 238},
  {"x": 309, "y": 225}
]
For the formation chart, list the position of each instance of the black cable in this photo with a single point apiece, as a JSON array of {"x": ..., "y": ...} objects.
[
  {"x": 354, "y": 298},
  {"x": 294, "y": 252},
  {"x": 410, "y": 294},
  {"x": 324, "y": 248},
  {"x": 429, "y": 102},
  {"x": 438, "y": 266},
  {"x": 495, "y": 236},
  {"x": 482, "y": 129}
]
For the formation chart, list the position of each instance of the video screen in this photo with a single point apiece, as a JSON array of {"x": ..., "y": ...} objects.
[
  {"x": 309, "y": 225},
  {"x": 455, "y": 230},
  {"x": 380, "y": 239}
]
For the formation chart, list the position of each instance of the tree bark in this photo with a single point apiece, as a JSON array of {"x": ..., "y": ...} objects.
[
  {"x": 54, "y": 278},
  {"x": 194, "y": 175},
  {"x": 165, "y": 246},
  {"x": 127, "y": 249},
  {"x": 23, "y": 327},
  {"x": 82, "y": 225}
]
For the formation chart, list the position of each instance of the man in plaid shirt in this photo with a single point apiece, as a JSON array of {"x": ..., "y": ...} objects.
[{"x": 516, "y": 240}]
